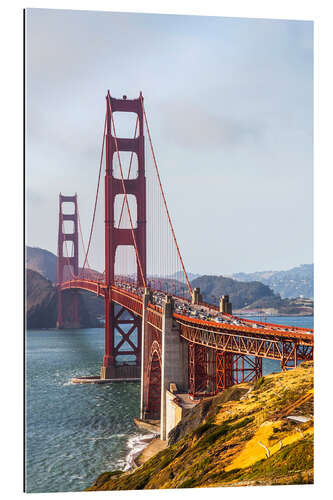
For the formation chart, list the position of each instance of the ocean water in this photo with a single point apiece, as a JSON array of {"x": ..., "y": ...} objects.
[{"x": 75, "y": 432}]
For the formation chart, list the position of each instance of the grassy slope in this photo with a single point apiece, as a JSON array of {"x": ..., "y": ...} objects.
[{"x": 230, "y": 445}]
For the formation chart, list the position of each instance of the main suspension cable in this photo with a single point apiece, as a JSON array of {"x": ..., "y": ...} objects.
[
  {"x": 164, "y": 200},
  {"x": 82, "y": 241},
  {"x": 96, "y": 198}
]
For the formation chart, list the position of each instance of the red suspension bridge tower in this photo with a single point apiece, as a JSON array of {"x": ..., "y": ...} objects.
[
  {"x": 149, "y": 334},
  {"x": 130, "y": 236},
  {"x": 68, "y": 266}
]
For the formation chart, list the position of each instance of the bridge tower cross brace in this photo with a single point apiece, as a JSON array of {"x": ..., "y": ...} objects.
[
  {"x": 64, "y": 260},
  {"x": 115, "y": 236}
]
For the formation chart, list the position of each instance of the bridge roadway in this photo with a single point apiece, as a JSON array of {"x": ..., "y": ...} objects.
[{"x": 203, "y": 324}]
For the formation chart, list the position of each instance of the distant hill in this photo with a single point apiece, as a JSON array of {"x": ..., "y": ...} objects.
[
  {"x": 45, "y": 263},
  {"x": 292, "y": 283},
  {"x": 42, "y": 261},
  {"x": 270, "y": 290},
  {"x": 41, "y": 304},
  {"x": 250, "y": 296},
  {"x": 241, "y": 294},
  {"x": 41, "y": 301},
  {"x": 179, "y": 276},
  {"x": 285, "y": 307}
]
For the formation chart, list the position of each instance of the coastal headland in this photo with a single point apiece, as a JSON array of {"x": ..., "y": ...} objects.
[{"x": 250, "y": 434}]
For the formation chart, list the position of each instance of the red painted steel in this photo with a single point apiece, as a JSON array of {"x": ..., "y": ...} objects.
[
  {"x": 154, "y": 318},
  {"x": 246, "y": 368},
  {"x": 201, "y": 372},
  {"x": 210, "y": 373},
  {"x": 115, "y": 236},
  {"x": 288, "y": 351},
  {"x": 152, "y": 406},
  {"x": 261, "y": 343},
  {"x": 290, "y": 333},
  {"x": 70, "y": 316},
  {"x": 224, "y": 370},
  {"x": 219, "y": 354}
]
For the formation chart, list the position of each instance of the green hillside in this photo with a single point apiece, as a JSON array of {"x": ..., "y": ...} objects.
[
  {"x": 241, "y": 437},
  {"x": 250, "y": 296},
  {"x": 241, "y": 294}
]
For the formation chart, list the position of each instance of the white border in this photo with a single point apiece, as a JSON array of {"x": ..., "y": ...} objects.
[{"x": 12, "y": 241}]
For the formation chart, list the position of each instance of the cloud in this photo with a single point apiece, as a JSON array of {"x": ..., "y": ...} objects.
[
  {"x": 191, "y": 126},
  {"x": 230, "y": 97}
]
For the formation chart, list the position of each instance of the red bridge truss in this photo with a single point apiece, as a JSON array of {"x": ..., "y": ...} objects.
[
  {"x": 215, "y": 352},
  {"x": 219, "y": 355}
]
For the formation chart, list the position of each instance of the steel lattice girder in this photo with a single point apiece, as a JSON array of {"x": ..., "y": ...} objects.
[
  {"x": 274, "y": 348},
  {"x": 135, "y": 325}
]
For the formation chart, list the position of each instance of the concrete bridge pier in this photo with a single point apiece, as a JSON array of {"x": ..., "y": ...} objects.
[
  {"x": 174, "y": 361},
  {"x": 196, "y": 296},
  {"x": 224, "y": 305}
]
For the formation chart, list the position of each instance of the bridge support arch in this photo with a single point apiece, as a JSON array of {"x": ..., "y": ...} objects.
[{"x": 154, "y": 377}]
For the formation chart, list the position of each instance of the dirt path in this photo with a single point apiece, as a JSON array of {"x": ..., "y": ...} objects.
[{"x": 153, "y": 447}]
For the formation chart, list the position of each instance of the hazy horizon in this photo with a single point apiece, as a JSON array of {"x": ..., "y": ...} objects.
[
  {"x": 190, "y": 271},
  {"x": 230, "y": 106}
]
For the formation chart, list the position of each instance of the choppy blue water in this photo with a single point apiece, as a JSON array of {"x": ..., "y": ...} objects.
[{"x": 75, "y": 432}]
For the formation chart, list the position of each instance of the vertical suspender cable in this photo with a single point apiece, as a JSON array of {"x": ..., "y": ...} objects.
[{"x": 164, "y": 200}]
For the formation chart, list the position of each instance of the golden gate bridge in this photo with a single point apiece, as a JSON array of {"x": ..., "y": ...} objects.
[{"x": 157, "y": 329}]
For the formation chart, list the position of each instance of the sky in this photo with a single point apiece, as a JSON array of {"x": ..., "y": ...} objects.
[{"x": 230, "y": 107}]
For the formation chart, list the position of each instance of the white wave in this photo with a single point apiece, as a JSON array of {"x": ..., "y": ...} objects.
[{"x": 136, "y": 445}]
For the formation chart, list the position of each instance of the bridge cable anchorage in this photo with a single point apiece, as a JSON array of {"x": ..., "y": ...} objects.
[
  {"x": 125, "y": 193},
  {"x": 96, "y": 198},
  {"x": 163, "y": 196}
]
